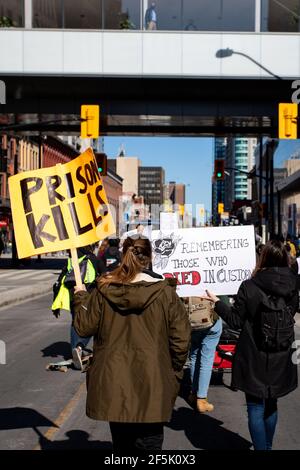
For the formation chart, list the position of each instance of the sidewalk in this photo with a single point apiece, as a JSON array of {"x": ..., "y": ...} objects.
[{"x": 25, "y": 282}]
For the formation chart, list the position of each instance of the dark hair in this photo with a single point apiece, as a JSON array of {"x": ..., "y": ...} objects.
[
  {"x": 137, "y": 254},
  {"x": 273, "y": 255},
  {"x": 114, "y": 242}
]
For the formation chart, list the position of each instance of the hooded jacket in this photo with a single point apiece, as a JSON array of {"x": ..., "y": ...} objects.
[
  {"x": 255, "y": 372},
  {"x": 141, "y": 341}
]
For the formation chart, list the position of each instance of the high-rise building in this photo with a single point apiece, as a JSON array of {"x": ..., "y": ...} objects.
[
  {"x": 151, "y": 184},
  {"x": 240, "y": 160},
  {"x": 218, "y": 187},
  {"x": 238, "y": 154},
  {"x": 174, "y": 193},
  {"x": 128, "y": 169}
]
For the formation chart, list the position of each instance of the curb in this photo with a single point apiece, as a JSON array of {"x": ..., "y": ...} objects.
[{"x": 25, "y": 293}]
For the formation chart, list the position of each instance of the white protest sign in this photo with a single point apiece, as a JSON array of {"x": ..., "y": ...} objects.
[
  {"x": 298, "y": 261},
  {"x": 213, "y": 258}
]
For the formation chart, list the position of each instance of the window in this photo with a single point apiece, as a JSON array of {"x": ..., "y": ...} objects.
[
  {"x": 164, "y": 15},
  {"x": 280, "y": 15},
  {"x": 219, "y": 15},
  {"x": 83, "y": 15},
  {"x": 12, "y": 13},
  {"x": 47, "y": 13},
  {"x": 122, "y": 14}
]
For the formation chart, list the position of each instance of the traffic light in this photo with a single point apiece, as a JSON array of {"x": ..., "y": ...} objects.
[
  {"x": 90, "y": 124},
  {"x": 287, "y": 120},
  {"x": 219, "y": 170},
  {"x": 101, "y": 159},
  {"x": 220, "y": 207}
]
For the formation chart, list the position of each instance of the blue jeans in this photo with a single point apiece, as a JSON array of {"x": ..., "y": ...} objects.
[
  {"x": 78, "y": 340},
  {"x": 75, "y": 338},
  {"x": 262, "y": 419},
  {"x": 202, "y": 353}
]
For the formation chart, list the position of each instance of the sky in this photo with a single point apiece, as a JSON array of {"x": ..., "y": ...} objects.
[
  {"x": 187, "y": 160},
  {"x": 284, "y": 150}
]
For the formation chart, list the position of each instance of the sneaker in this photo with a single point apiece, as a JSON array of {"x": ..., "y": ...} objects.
[
  {"x": 76, "y": 355},
  {"x": 203, "y": 406}
]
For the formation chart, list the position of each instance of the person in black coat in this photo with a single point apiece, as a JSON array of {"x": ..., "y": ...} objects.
[{"x": 263, "y": 374}]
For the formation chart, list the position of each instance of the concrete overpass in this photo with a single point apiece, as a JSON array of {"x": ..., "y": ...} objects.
[{"x": 148, "y": 82}]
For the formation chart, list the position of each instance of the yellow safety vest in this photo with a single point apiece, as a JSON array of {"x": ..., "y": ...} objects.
[{"x": 63, "y": 300}]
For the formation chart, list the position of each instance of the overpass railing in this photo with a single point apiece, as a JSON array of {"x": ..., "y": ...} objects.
[{"x": 163, "y": 15}]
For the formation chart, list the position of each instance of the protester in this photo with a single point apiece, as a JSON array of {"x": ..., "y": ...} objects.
[
  {"x": 1, "y": 245},
  {"x": 291, "y": 245},
  {"x": 90, "y": 268},
  {"x": 102, "y": 248},
  {"x": 141, "y": 341},
  {"x": 263, "y": 366},
  {"x": 112, "y": 254},
  {"x": 206, "y": 332}
]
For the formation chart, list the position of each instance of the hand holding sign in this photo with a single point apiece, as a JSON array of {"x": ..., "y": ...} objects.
[{"x": 212, "y": 297}]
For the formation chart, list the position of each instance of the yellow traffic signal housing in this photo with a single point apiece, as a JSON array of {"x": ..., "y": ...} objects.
[
  {"x": 287, "y": 120},
  {"x": 220, "y": 207},
  {"x": 181, "y": 210},
  {"x": 90, "y": 125}
]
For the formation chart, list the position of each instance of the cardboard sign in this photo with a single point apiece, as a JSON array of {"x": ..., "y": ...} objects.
[
  {"x": 60, "y": 207},
  {"x": 214, "y": 258}
]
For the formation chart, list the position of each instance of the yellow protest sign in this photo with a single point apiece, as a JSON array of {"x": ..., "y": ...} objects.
[{"x": 60, "y": 207}]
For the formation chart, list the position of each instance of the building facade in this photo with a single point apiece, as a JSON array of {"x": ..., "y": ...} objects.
[
  {"x": 128, "y": 169},
  {"x": 240, "y": 160},
  {"x": 174, "y": 193},
  {"x": 151, "y": 184},
  {"x": 218, "y": 187},
  {"x": 113, "y": 185}
]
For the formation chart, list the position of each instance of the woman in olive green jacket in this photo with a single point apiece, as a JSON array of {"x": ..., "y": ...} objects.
[{"x": 141, "y": 341}]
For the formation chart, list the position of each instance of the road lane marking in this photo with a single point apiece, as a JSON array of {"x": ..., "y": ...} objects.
[{"x": 63, "y": 416}]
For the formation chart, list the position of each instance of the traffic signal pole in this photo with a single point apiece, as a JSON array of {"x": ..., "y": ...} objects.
[
  {"x": 271, "y": 180},
  {"x": 260, "y": 181}
]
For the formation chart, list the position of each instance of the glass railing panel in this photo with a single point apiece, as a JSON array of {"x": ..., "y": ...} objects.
[
  {"x": 12, "y": 13},
  {"x": 47, "y": 13},
  {"x": 85, "y": 14},
  {"x": 280, "y": 15},
  {"x": 204, "y": 15},
  {"x": 122, "y": 14},
  {"x": 164, "y": 15}
]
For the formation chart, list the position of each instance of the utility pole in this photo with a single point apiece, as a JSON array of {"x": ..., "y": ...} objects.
[
  {"x": 15, "y": 259},
  {"x": 271, "y": 180},
  {"x": 39, "y": 258}
]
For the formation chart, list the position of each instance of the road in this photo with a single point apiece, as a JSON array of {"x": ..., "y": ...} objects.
[{"x": 46, "y": 410}]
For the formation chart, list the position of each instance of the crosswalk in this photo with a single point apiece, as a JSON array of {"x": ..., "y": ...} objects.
[{"x": 26, "y": 276}]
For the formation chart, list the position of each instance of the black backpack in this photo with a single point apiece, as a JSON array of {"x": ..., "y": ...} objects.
[{"x": 273, "y": 324}]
